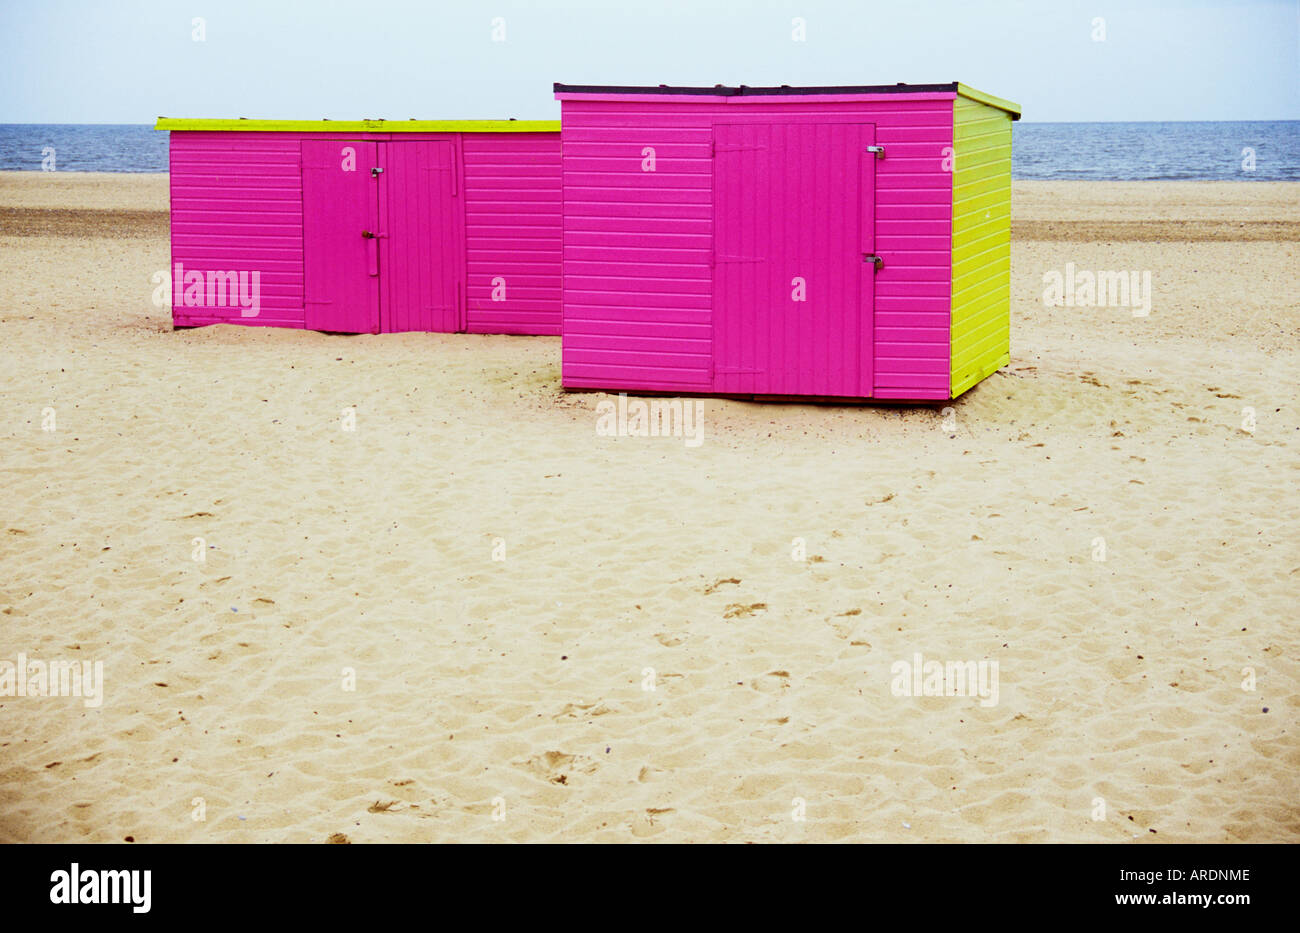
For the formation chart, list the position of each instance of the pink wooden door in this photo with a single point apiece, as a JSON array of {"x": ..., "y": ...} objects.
[
  {"x": 340, "y": 253},
  {"x": 420, "y": 250},
  {"x": 794, "y": 208}
]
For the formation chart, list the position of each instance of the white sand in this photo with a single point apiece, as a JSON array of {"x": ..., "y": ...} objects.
[{"x": 522, "y": 679}]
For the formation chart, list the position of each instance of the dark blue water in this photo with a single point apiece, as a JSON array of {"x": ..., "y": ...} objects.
[
  {"x": 1138, "y": 151},
  {"x": 1117, "y": 151},
  {"x": 83, "y": 147}
]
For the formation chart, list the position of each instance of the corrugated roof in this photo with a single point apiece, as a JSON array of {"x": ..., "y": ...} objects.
[
  {"x": 181, "y": 124},
  {"x": 722, "y": 90}
]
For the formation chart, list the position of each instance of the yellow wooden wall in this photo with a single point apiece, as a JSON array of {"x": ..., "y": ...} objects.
[{"x": 981, "y": 242}]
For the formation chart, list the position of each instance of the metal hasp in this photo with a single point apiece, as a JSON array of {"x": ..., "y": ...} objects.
[
  {"x": 376, "y": 171},
  {"x": 875, "y": 260},
  {"x": 878, "y": 150}
]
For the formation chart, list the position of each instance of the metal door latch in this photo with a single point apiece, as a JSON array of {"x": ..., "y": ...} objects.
[
  {"x": 875, "y": 260},
  {"x": 878, "y": 150},
  {"x": 376, "y": 171}
]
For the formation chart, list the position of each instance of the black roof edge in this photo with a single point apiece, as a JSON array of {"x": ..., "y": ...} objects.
[{"x": 721, "y": 90}]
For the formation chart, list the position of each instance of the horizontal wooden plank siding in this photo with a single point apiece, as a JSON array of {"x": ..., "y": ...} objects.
[
  {"x": 638, "y": 244},
  {"x": 236, "y": 206},
  {"x": 981, "y": 244},
  {"x": 512, "y": 233}
]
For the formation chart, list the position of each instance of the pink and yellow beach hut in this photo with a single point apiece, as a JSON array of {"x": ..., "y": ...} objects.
[
  {"x": 835, "y": 242},
  {"x": 371, "y": 226}
]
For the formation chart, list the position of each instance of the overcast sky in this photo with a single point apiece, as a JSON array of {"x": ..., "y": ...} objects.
[{"x": 130, "y": 61}]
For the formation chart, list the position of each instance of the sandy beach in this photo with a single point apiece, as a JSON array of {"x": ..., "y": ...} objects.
[{"x": 445, "y": 624}]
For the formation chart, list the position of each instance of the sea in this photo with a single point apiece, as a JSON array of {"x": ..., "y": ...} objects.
[{"x": 1230, "y": 151}]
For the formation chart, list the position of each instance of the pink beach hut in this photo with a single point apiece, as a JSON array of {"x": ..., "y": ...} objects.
[
  {"x": 835, "y": 242},
  {"x": 366, "y": 227}
]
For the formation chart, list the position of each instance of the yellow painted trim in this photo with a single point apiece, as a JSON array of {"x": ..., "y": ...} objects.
[
  {"x": 965, "y": 90},
  {"x": 177, "y": 124}
]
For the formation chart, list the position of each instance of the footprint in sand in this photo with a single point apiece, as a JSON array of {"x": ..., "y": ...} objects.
[
  {"x": 582, "y": 710},
  {"x": 647, "y": 774},
  {"x": 556, "y": 767},
  {"x": 771, "y": 682},
  {"x": 717, "y": 583}
]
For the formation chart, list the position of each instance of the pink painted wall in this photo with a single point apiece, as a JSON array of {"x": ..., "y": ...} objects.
[
  {"x": 637, "y": 245},
  {"x": 236, "y": 204},
  {"x": 512, "y": 232}
]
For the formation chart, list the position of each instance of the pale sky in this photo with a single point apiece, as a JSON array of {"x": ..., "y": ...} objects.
[{"x": 133, "y": 60}]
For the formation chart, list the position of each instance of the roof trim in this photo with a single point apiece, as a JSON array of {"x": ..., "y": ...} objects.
[
  {"x": 965, "y": 90},
  {"x": 743, "y": 90},
  {"x": 721, "y": 90},
  {"x": 179, "y": 124}
]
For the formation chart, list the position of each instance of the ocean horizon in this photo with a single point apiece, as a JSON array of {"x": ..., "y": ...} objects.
[{"x": 1246, "y": 150}]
